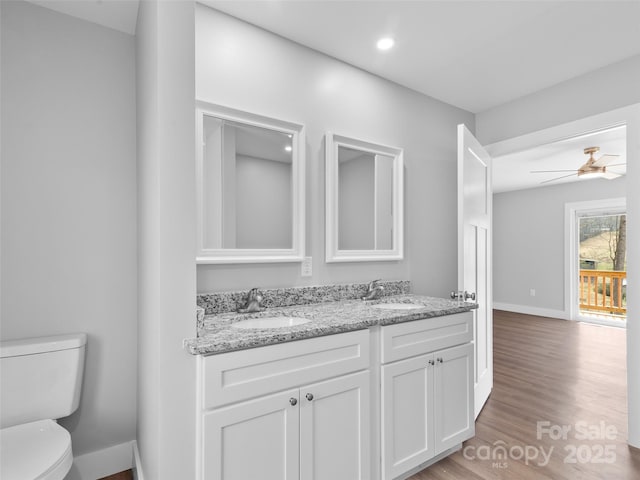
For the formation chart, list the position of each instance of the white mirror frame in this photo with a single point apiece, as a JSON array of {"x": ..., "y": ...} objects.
[
  {"x": 333, "y": 142},
  {"x": 237, "y": 255}
]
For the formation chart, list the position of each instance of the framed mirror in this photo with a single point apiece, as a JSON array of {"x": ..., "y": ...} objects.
[
  {"x": 250, "y": 187},
  {"x": 364, "y": 195}
]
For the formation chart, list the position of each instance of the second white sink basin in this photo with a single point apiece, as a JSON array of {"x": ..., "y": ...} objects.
[
  {"x": 396, "y": 306},
  {"x": 270, "y": 322}
]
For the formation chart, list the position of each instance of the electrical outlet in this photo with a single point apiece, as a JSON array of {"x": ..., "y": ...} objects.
[
  {"x": 307, "y": 267},
  {"x": 532, "y": 292}
]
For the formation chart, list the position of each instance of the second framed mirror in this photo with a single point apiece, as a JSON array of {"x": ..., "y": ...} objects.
[{"x": 364, "y": 195}]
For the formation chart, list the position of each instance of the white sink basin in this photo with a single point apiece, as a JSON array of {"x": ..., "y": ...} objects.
[
  {"x": 396, "y": 306},
  {"x": 270, "y": 322}
]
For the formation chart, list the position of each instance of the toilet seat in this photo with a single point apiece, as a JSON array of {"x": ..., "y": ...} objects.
[{"x": 35, "y": 451}]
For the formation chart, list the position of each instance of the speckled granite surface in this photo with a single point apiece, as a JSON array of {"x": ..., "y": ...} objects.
[
  {"x": 218, "y": 336},
  {"x": 222, "y": 302}
]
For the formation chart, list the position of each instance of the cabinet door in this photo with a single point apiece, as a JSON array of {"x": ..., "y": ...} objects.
[
  {"x": 407, "y": 414},
  {"x": 334, "y": 429},
  {"x": 256, "y": 439},
  {"x": 453, "y": 396}
]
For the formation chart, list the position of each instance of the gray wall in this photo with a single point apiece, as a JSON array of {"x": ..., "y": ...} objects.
[
  {"x": 69, "y": 204},
  {"x": 263, "y": 203},
  {"x": 607, "y": 89},
  {"x": 356, "y": 205},
  {"x": 268, "y": 75},
  {"x": 529, "y": 240},
  {"x": 599, "y": 91}
]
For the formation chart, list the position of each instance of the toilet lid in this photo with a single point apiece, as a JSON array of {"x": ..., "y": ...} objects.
[{"x": 36, "y": 450}]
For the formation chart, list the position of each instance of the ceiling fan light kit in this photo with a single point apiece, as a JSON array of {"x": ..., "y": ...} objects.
[{"x": 589, "y": 169}]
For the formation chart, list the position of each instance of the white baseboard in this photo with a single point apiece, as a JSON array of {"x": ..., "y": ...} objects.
[
  {"x": 528, "y": 310},
  {"x": 102, "y": 463},
  {"x": 137, "y": 466}
]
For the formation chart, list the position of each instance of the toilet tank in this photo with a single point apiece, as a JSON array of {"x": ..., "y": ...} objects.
[{"x": 40, "y": 378}]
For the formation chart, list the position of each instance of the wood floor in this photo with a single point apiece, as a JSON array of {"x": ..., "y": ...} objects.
[
  {"x": 560, "y": 372},
  {"x": 555, "y": 371},
  {"x": 126, "y": 475}
]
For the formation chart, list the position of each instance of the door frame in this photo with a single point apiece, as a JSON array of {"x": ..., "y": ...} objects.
[
  {"x": 629, "y": 115},
  {"x": 571, "y": 244},
  {"x": 615, "y": 118}
]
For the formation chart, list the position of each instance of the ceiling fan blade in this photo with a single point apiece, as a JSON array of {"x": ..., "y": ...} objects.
[
  {"x": 553, "y": 171},
  {"x": 611, "y": 175},
  {"x": 557, "y": 178},
  {"x": 605, "y": 160}
]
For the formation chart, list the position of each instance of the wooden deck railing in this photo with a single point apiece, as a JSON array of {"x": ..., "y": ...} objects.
[{"x": 603, "y": 291}]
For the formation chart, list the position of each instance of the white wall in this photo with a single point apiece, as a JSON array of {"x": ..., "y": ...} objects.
[
  {"x": 166, "y": 240},
  {"x": 604, "y": 93},
  {"x": 529, "y": 243},
  {"x": 69, "y": 204},
  {"x": 247, "y": 68}
]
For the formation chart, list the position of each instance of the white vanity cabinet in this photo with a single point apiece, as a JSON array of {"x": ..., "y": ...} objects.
[
  {"x": 335, "y": 429},
  {"x": 298, "y": 410},
  {"x": 427, "y": 391},
  {"x": 374, "y": 404},
  {"x": 254, "y": 439}
]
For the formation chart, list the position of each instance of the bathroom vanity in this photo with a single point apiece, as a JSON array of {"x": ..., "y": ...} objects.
[{"x": 361, "y": 390}]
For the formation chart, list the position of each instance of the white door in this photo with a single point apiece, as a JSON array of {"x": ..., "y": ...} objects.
[
  {"x": 453, "y": 396},
  {"x": 474, "y": 253},
  {"x": 407, "y": 414},
  {"x": 256, "y": 439},
  {"x": 334, "y": 429}
]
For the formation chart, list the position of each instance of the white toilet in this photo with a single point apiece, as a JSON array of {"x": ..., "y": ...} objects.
[{"x": 41, "y": 379}]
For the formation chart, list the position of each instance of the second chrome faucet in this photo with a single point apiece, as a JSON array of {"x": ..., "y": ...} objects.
[{"x": 374, "y": 290}]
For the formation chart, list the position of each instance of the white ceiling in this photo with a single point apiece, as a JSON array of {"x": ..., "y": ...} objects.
[
  {"x": 473, "y": 54},
  {"x": 117, "y": 14},
  {"x": 513, "y": 172}
]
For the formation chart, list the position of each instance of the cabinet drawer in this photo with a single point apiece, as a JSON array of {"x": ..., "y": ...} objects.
[
  {"x": 409, "y": 339},
  {"x": 236, "y": 376}
]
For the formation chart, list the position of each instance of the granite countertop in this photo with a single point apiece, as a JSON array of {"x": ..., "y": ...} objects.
[{"x": 217, "y": 335}]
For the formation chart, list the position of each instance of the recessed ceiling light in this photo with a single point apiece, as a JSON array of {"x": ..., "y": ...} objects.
[
  {"x": 385, "y": 43},
  {"x": 287, "y": 148}
]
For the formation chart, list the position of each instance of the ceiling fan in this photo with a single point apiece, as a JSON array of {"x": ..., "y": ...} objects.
[{"x": 591, "y": 169}]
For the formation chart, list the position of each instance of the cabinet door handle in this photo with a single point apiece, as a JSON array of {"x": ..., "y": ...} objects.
[
  {"x": 440, "y": 360},
  {"x": 293, "y": 401},
  {"x": 309, "y": 396},
  {"x": 431, "y": 362}
]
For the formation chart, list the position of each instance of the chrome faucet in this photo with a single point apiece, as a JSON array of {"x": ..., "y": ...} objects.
[
  {"x": 253, "y": 303},
  {"x": 374, "y": 290}
]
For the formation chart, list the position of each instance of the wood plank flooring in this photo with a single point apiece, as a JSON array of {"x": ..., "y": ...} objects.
[
  {"x": 554, "y": 371},
  {"x": 564, "y": 373},
  {"x": 126, "y": 475}
]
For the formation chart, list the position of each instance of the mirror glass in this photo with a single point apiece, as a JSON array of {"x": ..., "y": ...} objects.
[
  {"x": 364, "y": 200},
  {"x": 249, "y": 170},
  {"x": 250, "y": 188}
]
